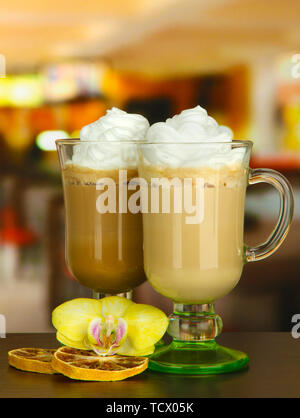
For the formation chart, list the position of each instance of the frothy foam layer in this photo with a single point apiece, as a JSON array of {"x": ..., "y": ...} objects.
[
  {"x": 178, "y": 136},
  {"x": 233, "y": 176},
  {"x": 116, "y": 126}
]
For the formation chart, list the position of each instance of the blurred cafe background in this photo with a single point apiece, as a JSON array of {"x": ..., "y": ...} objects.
[{"x": 68, "y": 61}]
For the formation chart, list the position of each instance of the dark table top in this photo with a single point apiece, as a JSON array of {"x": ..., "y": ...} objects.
[{"x": 274, "y": 371}]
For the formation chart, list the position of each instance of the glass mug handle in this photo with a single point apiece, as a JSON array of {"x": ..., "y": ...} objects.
[{"x": 265, "y": 175}]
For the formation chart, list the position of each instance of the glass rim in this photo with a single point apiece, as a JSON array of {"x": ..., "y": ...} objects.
[{"x": 74, "y": 141}]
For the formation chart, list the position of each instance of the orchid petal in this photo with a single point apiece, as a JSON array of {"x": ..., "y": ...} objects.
[
  {"x": 121, "y": 330},
  {"x": 146, "y": 325},
  {"x": 72, "y": 318}
]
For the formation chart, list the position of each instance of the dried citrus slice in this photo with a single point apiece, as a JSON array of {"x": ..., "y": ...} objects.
[
  {"x": 86, "y": 365},
  {"x": 36, "y": 360}
]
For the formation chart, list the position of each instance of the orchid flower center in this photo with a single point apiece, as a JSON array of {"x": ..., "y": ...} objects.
[{"x": 106, "y": 335}]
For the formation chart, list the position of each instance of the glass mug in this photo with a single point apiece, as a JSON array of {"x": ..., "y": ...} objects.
[
  {"x": 104, "y": 251},
  {"x": 194, "y": 253}
]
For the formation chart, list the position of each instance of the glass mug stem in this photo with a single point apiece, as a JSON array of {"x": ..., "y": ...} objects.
[
  {"x": 99, "y": 295},
  {"x": 194, "y": 322}
]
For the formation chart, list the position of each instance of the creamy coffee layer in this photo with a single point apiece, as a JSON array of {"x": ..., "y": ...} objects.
[
  {"x": 103, "y": 251},
  {"x": 197, "y": 263},
  {"x": 75, "y": 174},
  {"x": 228, "y": 176}
]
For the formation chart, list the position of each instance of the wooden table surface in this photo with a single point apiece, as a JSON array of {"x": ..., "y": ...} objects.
[{"x": 274, "y": 371}]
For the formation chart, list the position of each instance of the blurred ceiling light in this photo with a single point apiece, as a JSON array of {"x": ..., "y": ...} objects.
[
  {"x": 25, "y": 90},
  {"x": 46, "y": 139},
  {"x": 69, "y": 79},
  {"x": 75, "y": 134}
]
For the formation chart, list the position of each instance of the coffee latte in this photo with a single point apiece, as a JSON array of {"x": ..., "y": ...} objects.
[
  {"x": 197, "y": 263},
  {"x": 104, "y": 251}
]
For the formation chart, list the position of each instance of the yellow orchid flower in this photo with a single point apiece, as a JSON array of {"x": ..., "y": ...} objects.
[{"x": 112, "y": 325}]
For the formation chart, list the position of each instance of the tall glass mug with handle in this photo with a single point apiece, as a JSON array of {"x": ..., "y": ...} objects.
[
  {"x": 194, "y": 253},
  {"x": 104, "y": 244}
]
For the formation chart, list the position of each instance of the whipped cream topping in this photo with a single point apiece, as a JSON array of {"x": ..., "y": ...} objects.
[
  {"x": 178, "y": 137},
  {"x": 114, "y": 131}
]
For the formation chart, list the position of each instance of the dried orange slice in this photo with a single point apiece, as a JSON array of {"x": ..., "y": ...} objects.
[
  {"x": 86, "y": 365},
  {"x": 36, "y": 360}
]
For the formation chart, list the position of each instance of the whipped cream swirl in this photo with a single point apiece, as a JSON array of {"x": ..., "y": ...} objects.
[
  {"x": 178, "y": 138},
  {"x": 114, "y": 131}
]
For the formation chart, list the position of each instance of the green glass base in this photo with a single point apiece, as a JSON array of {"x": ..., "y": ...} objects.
[{"x": 197, "y": 358}]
